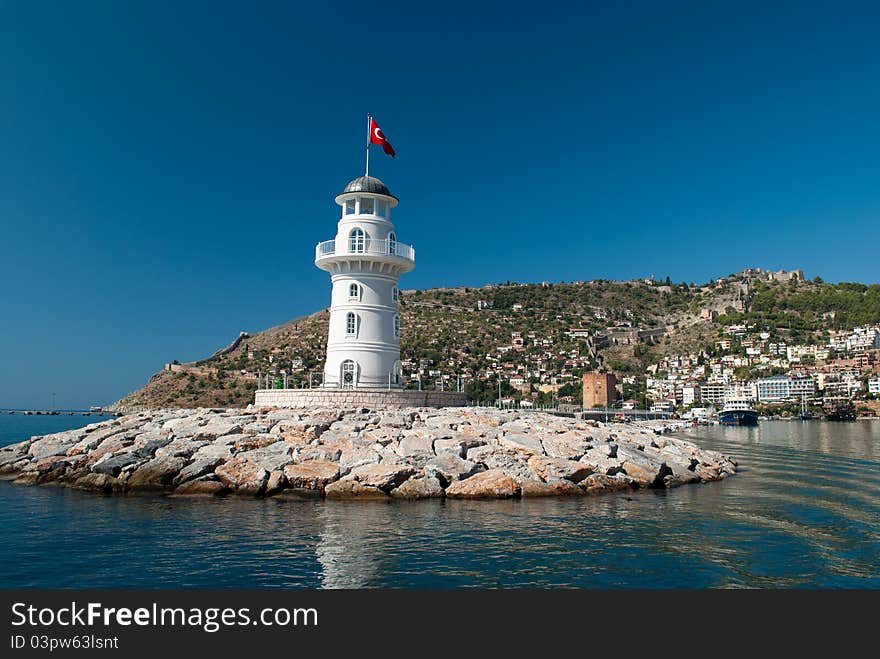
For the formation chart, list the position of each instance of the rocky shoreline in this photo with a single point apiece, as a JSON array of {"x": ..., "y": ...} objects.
[{"x": 410, "y": 453}]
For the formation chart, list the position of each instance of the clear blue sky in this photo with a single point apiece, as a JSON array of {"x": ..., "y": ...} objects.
[{"x": 167, "y": 168}]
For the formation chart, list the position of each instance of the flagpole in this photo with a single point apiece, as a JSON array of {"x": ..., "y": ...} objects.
[{"x": 368, "y": 145}]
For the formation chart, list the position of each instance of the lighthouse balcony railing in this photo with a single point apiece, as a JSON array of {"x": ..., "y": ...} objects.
[{"x": 367, "y": 246}]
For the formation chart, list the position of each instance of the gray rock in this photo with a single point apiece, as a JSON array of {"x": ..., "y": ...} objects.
[
  {"x": 569, "y": 446},
  {"x": 559, "y": 469},
  {"x": 198, "y": 469},
  {"x": 204, "y": 486},
  {"x": 113, "y": 465},
  {"x": 599, "y": 483},
  {"x": 385, "y": 476},
  {"x": 275, "y": 483},
  {"x": 642, "y": 469},
  {"x": 102, "y": 483},
  {"x": 448, "y": 467},
  {"x": 56, "y": 444},
  {"x": 453, "y": 446},
  {"x": 418, "y": 488},
  {"x": 94, "y": 438},
  {"x": 319, "y": 453},
  {"x": 272, "y": 457},
  {"x": 180, "y": 448},
  {"x": 214, "y": 450},
  {"x": 349, "y": 488},
  {"x": 600, "y": 463},
  {"x": 158, "y": 473},
  {"x": 357, "y": 457},
  {"x": 416, "y": 444},
  {"x": 522, "y": 442},
  {"x": 552, "y": 488}
]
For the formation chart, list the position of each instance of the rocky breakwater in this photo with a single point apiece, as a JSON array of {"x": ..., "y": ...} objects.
[{"x": 363, "y": 454}]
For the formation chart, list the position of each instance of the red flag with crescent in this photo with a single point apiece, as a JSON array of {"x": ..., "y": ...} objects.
[{"x": 378, "y": 137}]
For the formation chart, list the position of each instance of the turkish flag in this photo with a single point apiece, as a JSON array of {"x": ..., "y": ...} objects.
[{"x": 378, "y": 137}]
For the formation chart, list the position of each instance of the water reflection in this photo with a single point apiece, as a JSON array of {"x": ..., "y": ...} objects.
[{"x": 803, "y": 511}]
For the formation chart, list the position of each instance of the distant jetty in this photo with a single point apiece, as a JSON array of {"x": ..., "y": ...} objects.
[
  {"x": 97, "y": 411},
  {"x": 362, "y": 454}
]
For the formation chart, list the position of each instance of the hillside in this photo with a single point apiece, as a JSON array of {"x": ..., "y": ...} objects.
[{"x": 534, "y": 337}]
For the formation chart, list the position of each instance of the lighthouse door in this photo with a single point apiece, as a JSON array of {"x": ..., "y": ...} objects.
[{"x": 349, "y": 374}]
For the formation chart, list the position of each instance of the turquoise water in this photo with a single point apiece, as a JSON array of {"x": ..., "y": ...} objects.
[{"x": 804, "y": 511}]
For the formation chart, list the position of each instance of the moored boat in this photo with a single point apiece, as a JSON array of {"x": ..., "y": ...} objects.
[{"x": 738, "y": 412}]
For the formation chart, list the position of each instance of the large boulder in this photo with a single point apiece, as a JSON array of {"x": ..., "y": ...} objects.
[
  {"x": 276, "y": 482},
  {"x": 350, "y": 488},
  {"x": 243, "y": 476},
  {"x": 357, "y": 457},
  {"x": 56, "y": 444},
  {"x": 158, "y": 473},
  {"x": 448, "y": 467},
  {"x": 599, "y": 483},
  {"x": 216, "y": 427},
  {"x": 559, "y": 468},
  {"x": 512, "y": 463},
  {"x": 418, "y": 488},
  {"x": 102, "y": 483},
  {"x": 272, "y": 457},
  {"x": 205, "y": 485},
  {"x": 568, "y": 446},
  {"x": 453, "y": 446},
  {"x": 93, "y": 438},
  {"x": 492, "y": 484},
  {"x": 553, "y": 488},
  {"x": 318, "y": 453},
  {"x": 197, "y": 469},
  {"x": 600, "y": 463},
  {"x": 641, "y": 468},
  {"x": 418, "y": 443},
  {"x": 519, "y": 441},
  {"x": 385, "y": 475},
  {"x": 210, "y": 451},
  {"x": 312, "y": 475},
  {"x": 9, "y": 455},
  {"x": 115, "y": 464}
]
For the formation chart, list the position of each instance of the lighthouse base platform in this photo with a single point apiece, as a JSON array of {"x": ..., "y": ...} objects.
[{"x": 374, "y": 399}]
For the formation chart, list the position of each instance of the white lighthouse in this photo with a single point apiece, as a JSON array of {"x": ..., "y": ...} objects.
[{"x": 365, "y": 262}]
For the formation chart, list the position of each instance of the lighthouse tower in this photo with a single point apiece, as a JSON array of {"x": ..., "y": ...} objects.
[{"x": 365, "y": 262}]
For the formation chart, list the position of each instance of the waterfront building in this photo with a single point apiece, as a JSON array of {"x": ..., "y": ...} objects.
[
  {"x": 365, "y": 261},
  {"x": 713, "y": 392},
  {"x": 775, "y": 389},
  {"x": 801, "y": 385}
]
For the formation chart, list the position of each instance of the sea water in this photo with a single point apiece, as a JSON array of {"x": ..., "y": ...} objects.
[{"x": 803, "y": 511}]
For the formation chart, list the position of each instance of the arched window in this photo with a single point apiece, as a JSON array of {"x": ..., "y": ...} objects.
[
  {"x": 394, "y": 294},
  {"x": 354, "y": 292},
  {"x": 356, "y": 240},
  {"x": 397, "y": 326},
  {"x": 392, "y": 243},
  {"x": 350, "y": 324},
  {"x": 348, "y": 374}
]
